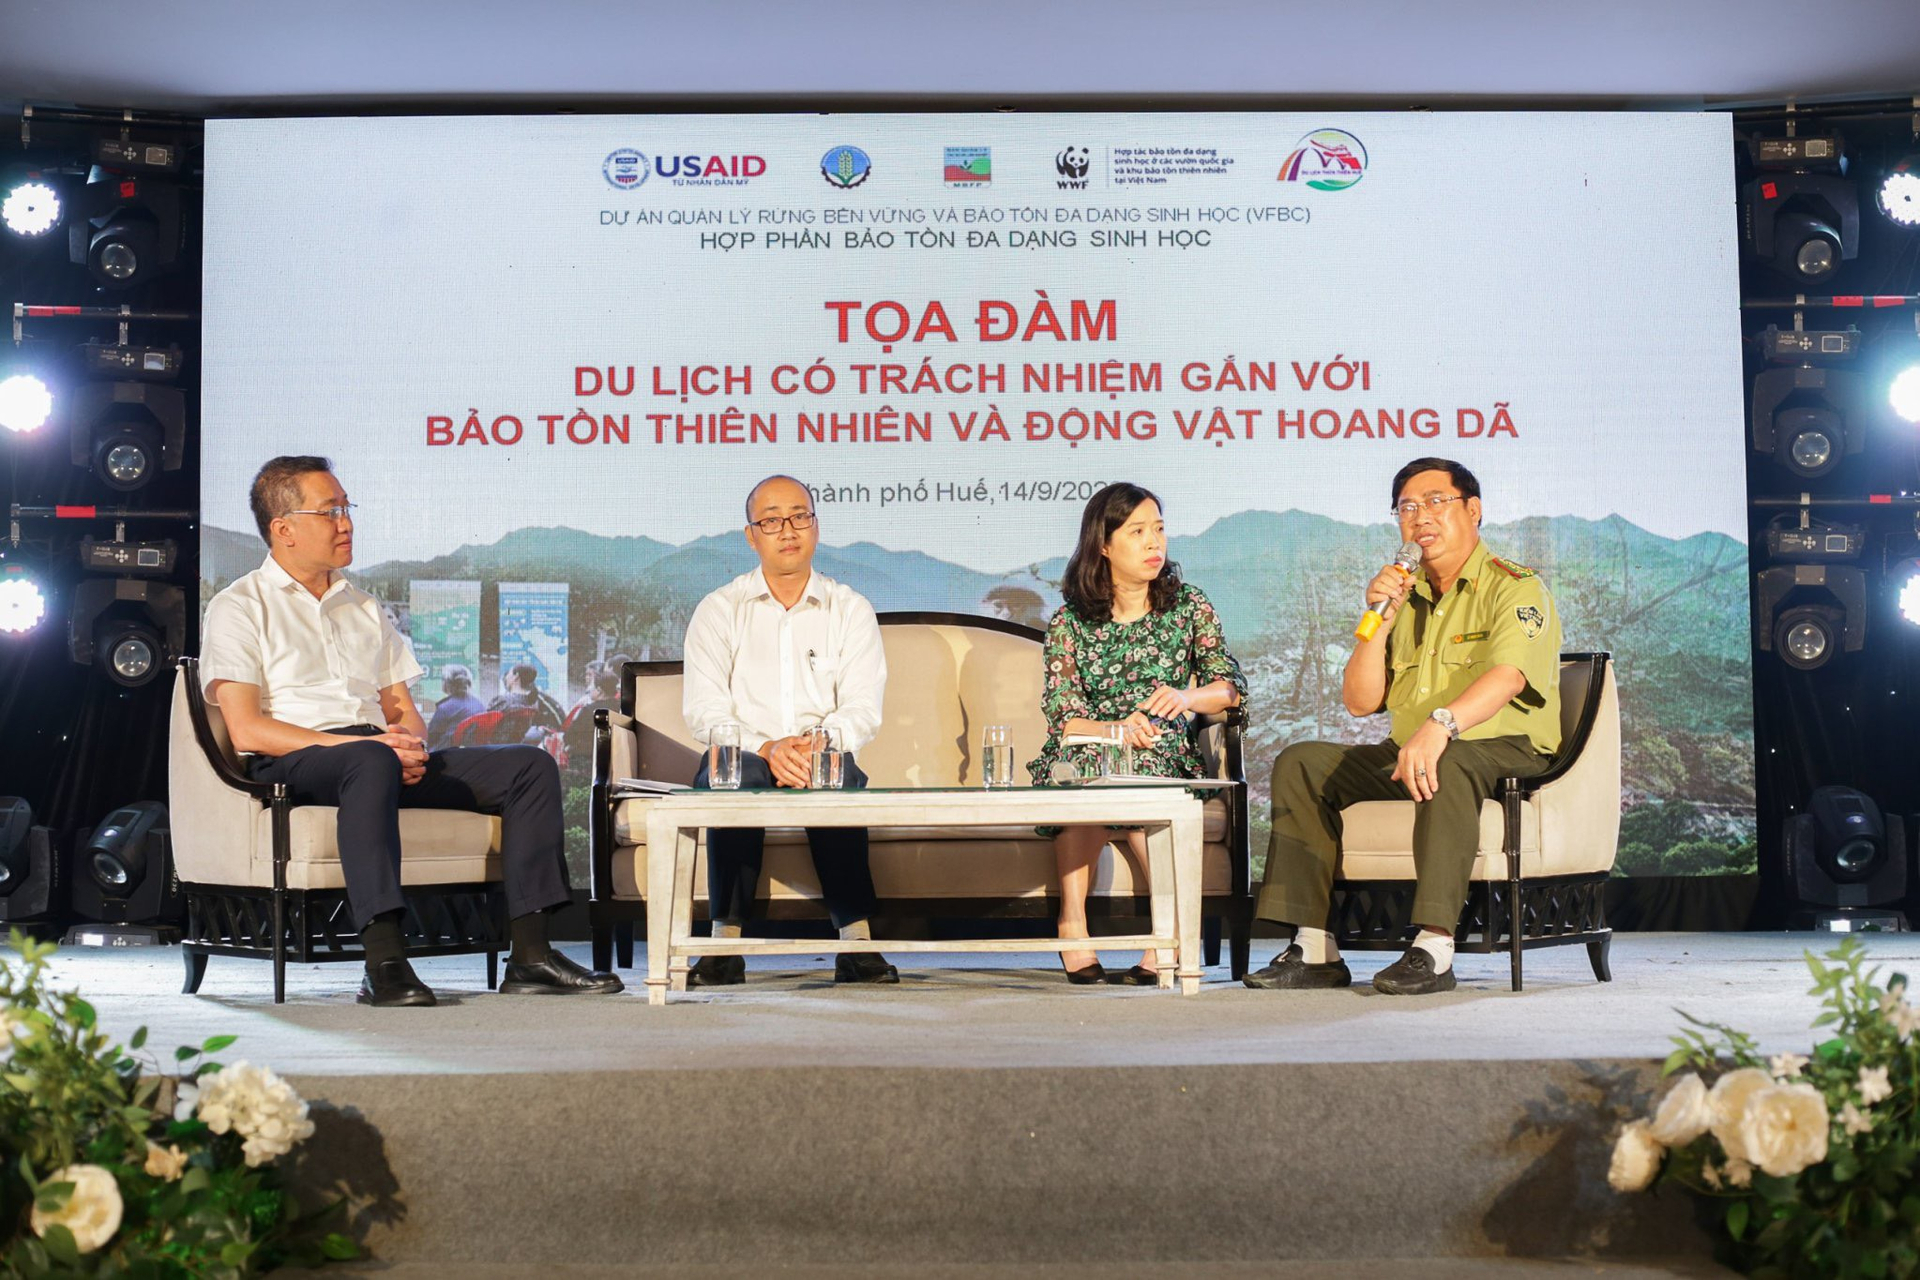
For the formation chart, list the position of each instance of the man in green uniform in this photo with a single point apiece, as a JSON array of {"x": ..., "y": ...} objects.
[{"x": 1468, "y": 669}]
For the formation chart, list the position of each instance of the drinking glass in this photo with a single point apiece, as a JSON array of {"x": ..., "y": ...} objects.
[
  {"x": 828, "y": 760},
  {"x": 996, "y": 757},
  {"x": 1116, "y": 756},
  {"x": 723, "y": 760}
]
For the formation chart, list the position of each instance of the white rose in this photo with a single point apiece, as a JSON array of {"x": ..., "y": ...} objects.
[
  {"x": 92, "y": 1212},
  {"x": 165, "y": 1163},
  {"x": 1636, "y": 1158},
  {"x": 1874, "y": 1086},
  {"x": 185, "y": 1100},
  {"x": 259, "y": 1106},
  {"x": 1785, "y": 1128},
  {"x": 1684, "y": 1114},
  {"x": 1729, "y": 1100},
  {"x": 1854, "y": 1120}
]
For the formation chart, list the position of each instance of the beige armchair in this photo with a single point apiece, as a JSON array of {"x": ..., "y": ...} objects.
[
  {"x": 261, "y": 876},
  {"x": 1547, "y": 845},
  {"x": 948, "y": 676}
]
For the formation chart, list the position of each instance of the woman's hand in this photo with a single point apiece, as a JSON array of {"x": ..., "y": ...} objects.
[
  {"x": 1167, "y": 702},
  {"x": 1140, "y": 731}
]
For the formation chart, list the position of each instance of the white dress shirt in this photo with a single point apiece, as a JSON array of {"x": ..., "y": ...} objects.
[
  {"x": 776, "y": 671},
  {"x": 319, "y": 663}
]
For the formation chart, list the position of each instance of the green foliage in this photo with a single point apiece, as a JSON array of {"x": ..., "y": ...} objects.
[
  {"x": 1857, "y": 1211},
  {"x": 75, "y": 1098}
]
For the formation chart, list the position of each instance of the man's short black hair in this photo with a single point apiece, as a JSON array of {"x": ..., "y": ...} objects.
[
  {"x": 276, "y": 489},
  {"x": 526, "y": 673},
  {"x": 1463, "y": 479}
]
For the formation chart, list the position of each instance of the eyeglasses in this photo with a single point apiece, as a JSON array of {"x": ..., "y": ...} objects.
[
  {"x": 772, "y": 524},
  {"x": 1408, "y": 510},
  {"x": 335, "y": 514}
]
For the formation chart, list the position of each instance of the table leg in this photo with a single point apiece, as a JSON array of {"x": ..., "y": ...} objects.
[
  {"x": 685, "y": 857},
  {"x": 662, "y": 836},
  {"x": 1188, "y": 848},
  {"x": 1161, "y": 870}
]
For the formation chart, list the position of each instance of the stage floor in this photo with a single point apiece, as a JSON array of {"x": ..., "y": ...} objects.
[{"x": 990, "y": 1012}]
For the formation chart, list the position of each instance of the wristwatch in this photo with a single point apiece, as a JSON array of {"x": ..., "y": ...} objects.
[{"x": 1444, "y": 718}]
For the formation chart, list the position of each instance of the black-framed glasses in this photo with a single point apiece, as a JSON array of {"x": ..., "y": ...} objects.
[
  {"x": 335, "y": 514},
  {"x": 772, "y": 524},
  {"x": 1409, "y": 509}
]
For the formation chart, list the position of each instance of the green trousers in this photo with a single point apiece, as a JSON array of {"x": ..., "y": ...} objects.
[{"x": 1314, "y": 781}]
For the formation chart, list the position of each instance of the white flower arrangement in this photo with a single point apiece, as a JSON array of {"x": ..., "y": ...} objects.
[
  {"x": 1814, "y": 1157},
  {"x": 92, "y": 1211},
  {"x": 259, "y": 1106}
]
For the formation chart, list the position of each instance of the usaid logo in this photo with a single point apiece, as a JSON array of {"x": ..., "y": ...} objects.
[{"x": 625, "y": 169}]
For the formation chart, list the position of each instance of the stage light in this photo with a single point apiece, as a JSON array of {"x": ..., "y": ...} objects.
[
  {"x": 30, "y": 209},
  {"x": 1802, "y": 223},
  {"x": 1907, "y": 575},
  {"x": 128, "y": 432},
  {"x": 130, "y": 231},
  {"x": 22, "y": 604},
  {"x": 1845, "y": 855},
  {"x": 1807, "y": 417},
  {"x": 1806, "y": 613},
  {"x": 25, "y": 403},
  {"x": 133, "y": 629},
  {"x": 1903, "y": 393},
  {"x": 29, "y": 862},
  {"x": 1899, "y": 196},
  {"x": 126, "y": 878}
]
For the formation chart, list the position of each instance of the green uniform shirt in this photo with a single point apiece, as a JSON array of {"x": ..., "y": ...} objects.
[{"x": 1498, "y": 614}]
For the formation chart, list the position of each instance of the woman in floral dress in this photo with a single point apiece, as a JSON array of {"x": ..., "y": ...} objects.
[{"x": 1133, "y": 645}]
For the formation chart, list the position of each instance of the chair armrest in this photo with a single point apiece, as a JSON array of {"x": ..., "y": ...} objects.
[
  {"x": 1223, "y": 754},
  {"x": 203, "y": 735}
]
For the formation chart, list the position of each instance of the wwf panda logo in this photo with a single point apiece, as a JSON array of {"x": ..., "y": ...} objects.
[{"x": 1073, "y": 162}]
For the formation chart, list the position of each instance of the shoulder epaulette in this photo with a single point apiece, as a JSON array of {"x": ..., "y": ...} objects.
[{"x": 1511, "y": 569}]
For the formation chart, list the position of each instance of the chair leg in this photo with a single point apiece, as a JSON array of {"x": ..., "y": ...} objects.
[
  {"x": 1240, "y": 944},
  {"x": 602, "y": 947},
  {"x": 623, "y": 944},
  {"x": 1210, "y": 940},
  {"x": 196, "y": 966},
  {"x": 493, "y": 969},
  {"x": 1597, "y": 955}
]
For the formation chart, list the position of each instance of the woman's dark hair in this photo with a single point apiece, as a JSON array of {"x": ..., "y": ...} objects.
[{"x": 1088, "y": 587}]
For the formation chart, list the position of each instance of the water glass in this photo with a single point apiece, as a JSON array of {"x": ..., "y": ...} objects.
[
  {"x": 827, "y": 758},
  {"x": 996, "y": 757},
  {"x": 723, "y": 757},
  {"x": 1116, "y": 755}
]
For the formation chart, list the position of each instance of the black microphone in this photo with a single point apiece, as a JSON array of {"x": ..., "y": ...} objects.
[{"x": 1409, "y": 556}]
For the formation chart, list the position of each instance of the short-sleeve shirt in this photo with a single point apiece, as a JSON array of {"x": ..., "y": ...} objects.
[
  {"x": 318, "y": 663},
  {"x": 1497, "y": 614}
]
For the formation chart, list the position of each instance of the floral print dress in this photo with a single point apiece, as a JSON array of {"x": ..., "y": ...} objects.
[{"x": 1105, "y": 670}]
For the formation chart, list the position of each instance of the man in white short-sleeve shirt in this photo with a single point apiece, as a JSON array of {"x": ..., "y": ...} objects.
[
  {"x": 779, "y": 651},
  {"x": 311, "y": 677}
]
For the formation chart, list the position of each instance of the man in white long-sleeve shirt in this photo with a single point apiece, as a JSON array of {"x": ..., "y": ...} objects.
[{"x": 779, "y": 651}]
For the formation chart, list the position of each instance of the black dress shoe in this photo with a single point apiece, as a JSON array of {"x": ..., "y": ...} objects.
[
  {"x": 392, "y": 984},
  {"x": 1412, "y": 975},
  {"x": 1289, "y": 971},
  {"x": 863, "y": 966},
  {"x": 1086, "y": 975},
  {"x": 1138, "y": 976},
  {"x": 557, "y": 976},
  {"x": 718, "y": 971}
]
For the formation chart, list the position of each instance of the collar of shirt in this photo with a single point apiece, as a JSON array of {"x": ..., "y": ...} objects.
[
  {"x": 277, "y": 574},
  {"x": 815, "y": 590},
  {"x": 1470, "y": 573}
]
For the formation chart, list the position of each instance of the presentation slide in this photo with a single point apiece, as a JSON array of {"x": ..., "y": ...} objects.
[{"x": 550, "y": 355}]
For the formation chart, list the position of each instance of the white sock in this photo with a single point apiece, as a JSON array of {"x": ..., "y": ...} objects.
[
  {"x": 721, "y": 929},
  {"x": 1316, "y": 945},
  {"x": 1439, "y": 946},
  {"x": 858, "y": 931}
]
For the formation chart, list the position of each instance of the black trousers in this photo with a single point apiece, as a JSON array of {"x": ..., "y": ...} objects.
[
  {"x": 839, "y": 856},
  {"x": 521, "y": 784}
]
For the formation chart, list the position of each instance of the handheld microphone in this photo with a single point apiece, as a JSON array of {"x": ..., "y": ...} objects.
[{"x": 1408, "y": 556}]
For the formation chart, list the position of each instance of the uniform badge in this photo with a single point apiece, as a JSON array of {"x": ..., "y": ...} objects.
[{"x": 1531, "y": 619}]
